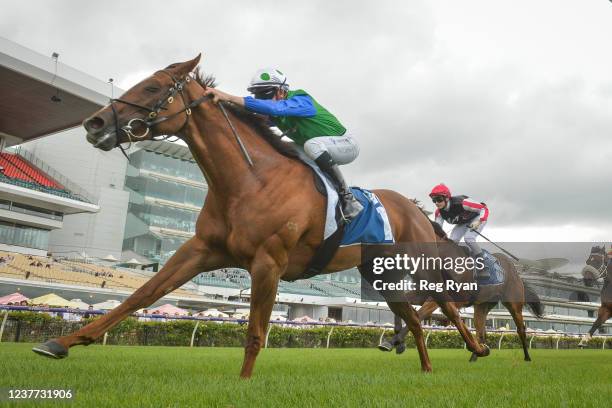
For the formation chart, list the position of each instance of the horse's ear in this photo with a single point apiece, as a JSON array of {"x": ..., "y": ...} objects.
[{"x": 183, "y": 68}]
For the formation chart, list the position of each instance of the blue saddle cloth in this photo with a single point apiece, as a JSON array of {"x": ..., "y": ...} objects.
[
  {"x": 497, "y": 275},
  {"x": 372, "y": 225}
]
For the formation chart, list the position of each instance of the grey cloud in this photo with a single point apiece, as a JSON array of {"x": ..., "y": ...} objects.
[{"x": 537, "y": 151}]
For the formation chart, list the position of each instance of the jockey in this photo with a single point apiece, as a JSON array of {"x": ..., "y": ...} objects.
[
  {"x": 469, "y": 217},
  {"x": 302, "y": 119}
]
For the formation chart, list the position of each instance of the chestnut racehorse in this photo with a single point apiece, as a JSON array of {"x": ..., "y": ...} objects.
[{"x": 262, "y": 212}]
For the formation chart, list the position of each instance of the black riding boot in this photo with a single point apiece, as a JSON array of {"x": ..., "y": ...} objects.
[{"x": 351, "y": 207}]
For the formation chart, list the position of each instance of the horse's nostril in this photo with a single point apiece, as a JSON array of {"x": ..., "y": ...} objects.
[{"x": 95, "y": 123}]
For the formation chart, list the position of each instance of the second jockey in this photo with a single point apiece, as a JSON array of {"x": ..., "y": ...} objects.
[
  {"x": 469, "y": 218},
  {"x": 302, "y": 119}
]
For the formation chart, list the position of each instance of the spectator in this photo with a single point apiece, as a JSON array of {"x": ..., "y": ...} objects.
[
  {"x": 88, "y": 313},
  {"x": 145, "y": 316}
]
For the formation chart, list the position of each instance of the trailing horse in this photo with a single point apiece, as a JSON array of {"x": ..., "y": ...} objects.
[
  {"x": 262, "y": 213},
  {"x": 514, "y": 293},
  {"x": 599, "y": 265}
]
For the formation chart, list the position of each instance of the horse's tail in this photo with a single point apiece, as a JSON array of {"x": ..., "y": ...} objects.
[{"x": 533, "y": 301}]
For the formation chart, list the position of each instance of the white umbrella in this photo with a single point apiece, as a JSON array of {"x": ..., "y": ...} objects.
[
  {"x": 110, "y": 258},
  {"x": 214, "y": 313},
  {"x": 79, "y": 303},
  {"x": 306, "y": 319},
  {"x": 133, "y": 261},
  {"x": 107, "y": 305}
]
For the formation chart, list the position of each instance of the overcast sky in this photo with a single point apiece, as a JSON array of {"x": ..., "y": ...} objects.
[{"x": 509, "y": 102}]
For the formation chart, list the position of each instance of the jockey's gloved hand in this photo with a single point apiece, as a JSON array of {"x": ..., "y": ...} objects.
[{"x": 475, "y": 225}]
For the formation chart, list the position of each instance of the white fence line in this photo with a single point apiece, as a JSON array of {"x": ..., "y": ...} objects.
[{"x": 430, "y": 329}]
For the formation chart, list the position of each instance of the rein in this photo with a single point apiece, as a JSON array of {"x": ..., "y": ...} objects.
[{"x": 153, "y": 119}]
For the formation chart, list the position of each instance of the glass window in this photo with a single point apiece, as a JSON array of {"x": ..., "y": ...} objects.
[{"x": 21, "y": 235}]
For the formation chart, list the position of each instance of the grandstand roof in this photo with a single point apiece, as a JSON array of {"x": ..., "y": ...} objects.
[
  {"x": 29, "y": 80},
  {"x": 176, "y": 150}
]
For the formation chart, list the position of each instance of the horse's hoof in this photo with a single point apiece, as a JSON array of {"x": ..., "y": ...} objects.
[
  {"x": 473, "y": 358},
  {"x": 51, "y": 349},
  {"x": 527, "y": 358},
  {"x": 385, "y": 346},
  {"x": 400, "y": 348},
  {"x": 485, "y": 351}
]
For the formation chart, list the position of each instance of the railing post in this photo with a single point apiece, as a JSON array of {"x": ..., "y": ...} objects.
[
  {"x": 427, "y": 337},
  {"x": 330, "y": 333},
  {"x": 500, "y": 340},
  {"x": 603, "y": 343},
  {"x": 3, "y": 323},
  {"x": 268, "y": 334},
  {"x": 17, "y": 331},
  {"x": 382, "y": 334},
  {"x": 193, "y": 334},
  {"x": 557, "y": 345},
  {"x": 105, "y": 337},
  {"x": 530, "y": 340}
]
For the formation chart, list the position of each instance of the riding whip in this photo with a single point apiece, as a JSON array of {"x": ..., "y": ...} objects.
[{"x": 516, "y": 258}]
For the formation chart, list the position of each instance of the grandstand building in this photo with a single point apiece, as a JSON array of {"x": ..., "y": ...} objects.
[
  {"x": 35, "y": 199},
  {"x": 166, "y": 192}
]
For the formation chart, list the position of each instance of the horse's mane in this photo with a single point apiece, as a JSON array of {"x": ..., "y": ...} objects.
[
  {"x": 256, "y": 121},
  {"x": 437, "y": 227}
]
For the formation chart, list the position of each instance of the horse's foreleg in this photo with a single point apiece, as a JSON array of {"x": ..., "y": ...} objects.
[
  {"x": 265, "y": 274},
  {"x": 423, "y": 313},
  {"x": 603, "y": 314},
  {"x": 190, "y": 259},
  {"x": 410, "y": 316},
  {"x": 427, "y": 309},
  {"x": 450, "y": 310}
]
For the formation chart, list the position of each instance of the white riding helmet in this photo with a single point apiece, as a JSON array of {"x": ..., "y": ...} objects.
[{"x": 266, "y": 79}]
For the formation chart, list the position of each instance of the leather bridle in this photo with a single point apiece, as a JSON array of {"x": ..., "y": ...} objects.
[{"x": 153, "y": 118}]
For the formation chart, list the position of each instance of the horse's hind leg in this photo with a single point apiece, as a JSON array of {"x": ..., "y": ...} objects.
[
  {"x": 480, "y": 316},
  {"x": 396, "y": 340},
  {"x": 190, "y": 259},
  {"x": 410, "y": 316},
  {"x": 516, "y": 310}
]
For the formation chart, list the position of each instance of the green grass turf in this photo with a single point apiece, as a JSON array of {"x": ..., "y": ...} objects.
[{"x": 123, "y": 376}]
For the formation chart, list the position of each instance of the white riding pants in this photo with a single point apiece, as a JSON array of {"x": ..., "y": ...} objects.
[
  {"x": 468, "y": 235},
  {"x": 343, "y": 149}
]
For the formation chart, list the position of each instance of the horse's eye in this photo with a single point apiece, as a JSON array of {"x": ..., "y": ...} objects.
[{"x": 152, "y": 89}]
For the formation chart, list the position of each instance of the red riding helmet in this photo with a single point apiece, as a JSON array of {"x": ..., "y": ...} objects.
[{"x": 440, "y": 190}]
